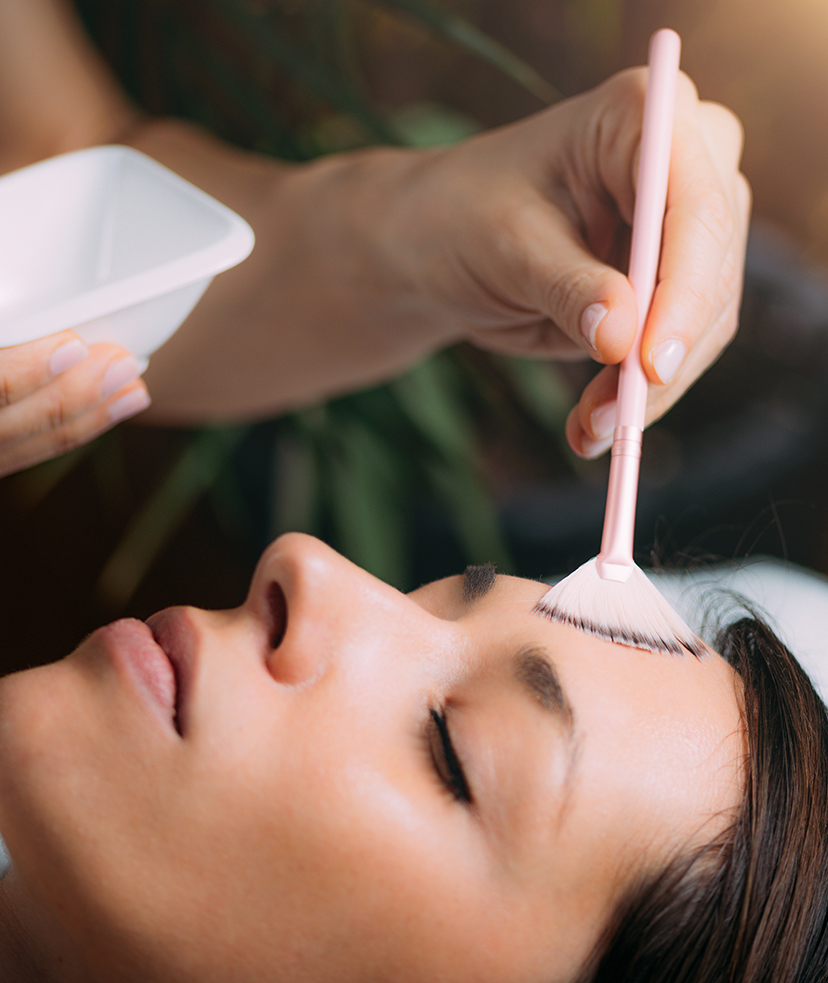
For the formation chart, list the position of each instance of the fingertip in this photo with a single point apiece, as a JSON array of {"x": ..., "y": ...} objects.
[
  {"x": 580, "y": 441},
  {"x": 135, "y": 400},
  {"x": 666, "y": 360},
  {"x": 591, "y": 321},
  {"x": 609, "y": 327},
  {"x": 66, "y": 355},
  {"x": 601, "y": 423},
  {"x": 120, "y": 371}
]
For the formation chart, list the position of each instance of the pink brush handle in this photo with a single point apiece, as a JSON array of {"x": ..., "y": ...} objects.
[{"x": 615, "y": 561}]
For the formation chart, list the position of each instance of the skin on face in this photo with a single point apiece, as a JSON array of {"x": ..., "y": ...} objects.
[{"x": 304, "y": 818}]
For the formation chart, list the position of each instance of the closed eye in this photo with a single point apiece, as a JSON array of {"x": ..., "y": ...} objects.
[{"x": 444, "y": 757}]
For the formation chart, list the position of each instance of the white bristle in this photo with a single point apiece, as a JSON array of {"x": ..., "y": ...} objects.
[{"x": 632, "y": 613}]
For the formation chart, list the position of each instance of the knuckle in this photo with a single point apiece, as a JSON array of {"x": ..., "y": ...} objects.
[
  {"x": 714, "y": 213},
  {"x": 699, "y": 300},
  {"x": 55, "y": 415},
  {"x": 565, "y": 296},
  {"x": 633, "y": 81}
]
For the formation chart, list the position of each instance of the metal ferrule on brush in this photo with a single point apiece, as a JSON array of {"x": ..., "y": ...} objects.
[
  {"x": 626, "y": 442},
  {"x": 614, "y": 562}
]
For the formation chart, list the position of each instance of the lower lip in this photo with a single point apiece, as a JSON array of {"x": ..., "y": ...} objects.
[{"x": 133, "y": 647}]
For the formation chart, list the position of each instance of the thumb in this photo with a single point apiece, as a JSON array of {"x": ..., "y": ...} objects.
[
  {"x": 589, "y": 301},
  {"x": 592, "y": 303}
]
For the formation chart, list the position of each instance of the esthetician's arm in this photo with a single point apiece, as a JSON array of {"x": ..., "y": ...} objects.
[{"x": 366, "y": 262}]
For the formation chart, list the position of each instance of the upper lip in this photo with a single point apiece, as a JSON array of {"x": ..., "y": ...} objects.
[
  {"x": 131, "y": 645},
  {"x": 173, "y": 635}
]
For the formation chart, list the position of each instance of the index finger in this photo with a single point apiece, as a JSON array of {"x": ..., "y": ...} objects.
[
  {"x": 28, "y": 367},
  {"x": 705, "y": 230}
]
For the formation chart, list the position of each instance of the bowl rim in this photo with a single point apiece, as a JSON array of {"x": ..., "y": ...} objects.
[{"x": 128, "y": 291}]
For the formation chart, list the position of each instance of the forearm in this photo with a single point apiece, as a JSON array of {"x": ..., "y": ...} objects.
[
  {"x": 56, "y": 93},
  {"x": 320, "y": 307}
]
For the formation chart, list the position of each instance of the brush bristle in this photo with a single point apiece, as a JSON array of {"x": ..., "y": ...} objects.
[{"x": 632, "y": 613}]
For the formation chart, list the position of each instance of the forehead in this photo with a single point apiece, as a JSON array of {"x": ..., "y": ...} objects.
[{"x": 658, "y": 738}]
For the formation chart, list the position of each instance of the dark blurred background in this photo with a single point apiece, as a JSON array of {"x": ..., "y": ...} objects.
[{"x": 146, "y": 518}]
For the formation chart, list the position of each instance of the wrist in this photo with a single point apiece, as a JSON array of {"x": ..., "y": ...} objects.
[{"x": 359, "y": 220}]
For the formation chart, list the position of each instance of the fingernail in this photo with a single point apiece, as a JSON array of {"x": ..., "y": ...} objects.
[
  {"x": 602, "y": 420},
  {"x": 595, "y": 448},
  {"x": 590, "y": 320},
  {"x": 120, "y": 373},
  {"x": 128, "y": 405},
  {"x": 667, "y": 359},
  {"x": 67, "y": 355}
]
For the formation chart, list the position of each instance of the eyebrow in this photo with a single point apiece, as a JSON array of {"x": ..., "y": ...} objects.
[
  {"x": 478, "y": 581},
  {"x": 532, "y": 668},
  {"x": 536, "y": 673}
]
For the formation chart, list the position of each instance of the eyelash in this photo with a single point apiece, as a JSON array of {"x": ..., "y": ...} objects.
[{"x": 444, "y": 757}]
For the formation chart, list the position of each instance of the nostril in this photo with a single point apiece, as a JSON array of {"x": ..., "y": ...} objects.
[{"x": 277, "y": 608}]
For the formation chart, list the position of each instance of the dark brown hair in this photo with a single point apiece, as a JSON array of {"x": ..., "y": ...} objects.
[{"x": 751, "y": 907}]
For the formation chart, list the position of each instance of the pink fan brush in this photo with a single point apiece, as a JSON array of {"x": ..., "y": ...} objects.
[{"x": 610, "y": 596}]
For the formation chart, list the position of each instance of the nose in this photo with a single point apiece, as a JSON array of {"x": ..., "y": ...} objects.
[{"x": 318, "y": 606}]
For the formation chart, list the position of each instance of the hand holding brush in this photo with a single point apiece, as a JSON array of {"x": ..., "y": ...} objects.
[{"x": 610, "y": 596}]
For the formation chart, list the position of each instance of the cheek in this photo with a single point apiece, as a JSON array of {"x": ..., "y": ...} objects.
[
  {"x": 353, "y": 875},
  {"x": 69, "y": 755}
]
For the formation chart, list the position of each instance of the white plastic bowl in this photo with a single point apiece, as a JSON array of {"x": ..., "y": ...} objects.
[{"x": 110, "y": 243}]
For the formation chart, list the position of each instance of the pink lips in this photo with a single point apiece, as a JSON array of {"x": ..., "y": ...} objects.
[{"x": 133, "y": 645}]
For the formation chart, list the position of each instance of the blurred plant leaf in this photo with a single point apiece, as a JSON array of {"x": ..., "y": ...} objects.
[
  {"x": 538, "y": 385},
  {"x": 429, "y": 396},
  {"x": 34, "y": 485},
  {"x": 475, "y": 514},
  {"x": 274, "y": 139},
  {"x": 298, "y": 503},
  {"x": 303, "y": 67},
  {"x": 466, "y": 35},
  {"x": 597, "y": 24},
  {"x": 426, "y": 124},
  {"x": 432, "y": 396},
  {"x": 366, "y": 491}
]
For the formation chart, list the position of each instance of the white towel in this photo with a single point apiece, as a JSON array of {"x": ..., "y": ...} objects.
[{"x": 793, "y": 600}]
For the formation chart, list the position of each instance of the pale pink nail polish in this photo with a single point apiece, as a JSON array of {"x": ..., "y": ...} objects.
[
  {"x": 590, "y": 322},
  {"x": 67, "y": 355},
  {"x": 602, "y": 420},
  {"x": 128, "y": 405},
  {"x": 119, "y": 373},
  {"x": 667, "y": 359},
  {"x": 595, "y": 448}
]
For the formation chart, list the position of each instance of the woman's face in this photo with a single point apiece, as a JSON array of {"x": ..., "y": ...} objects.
[{"x": 358, "y": 784}]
